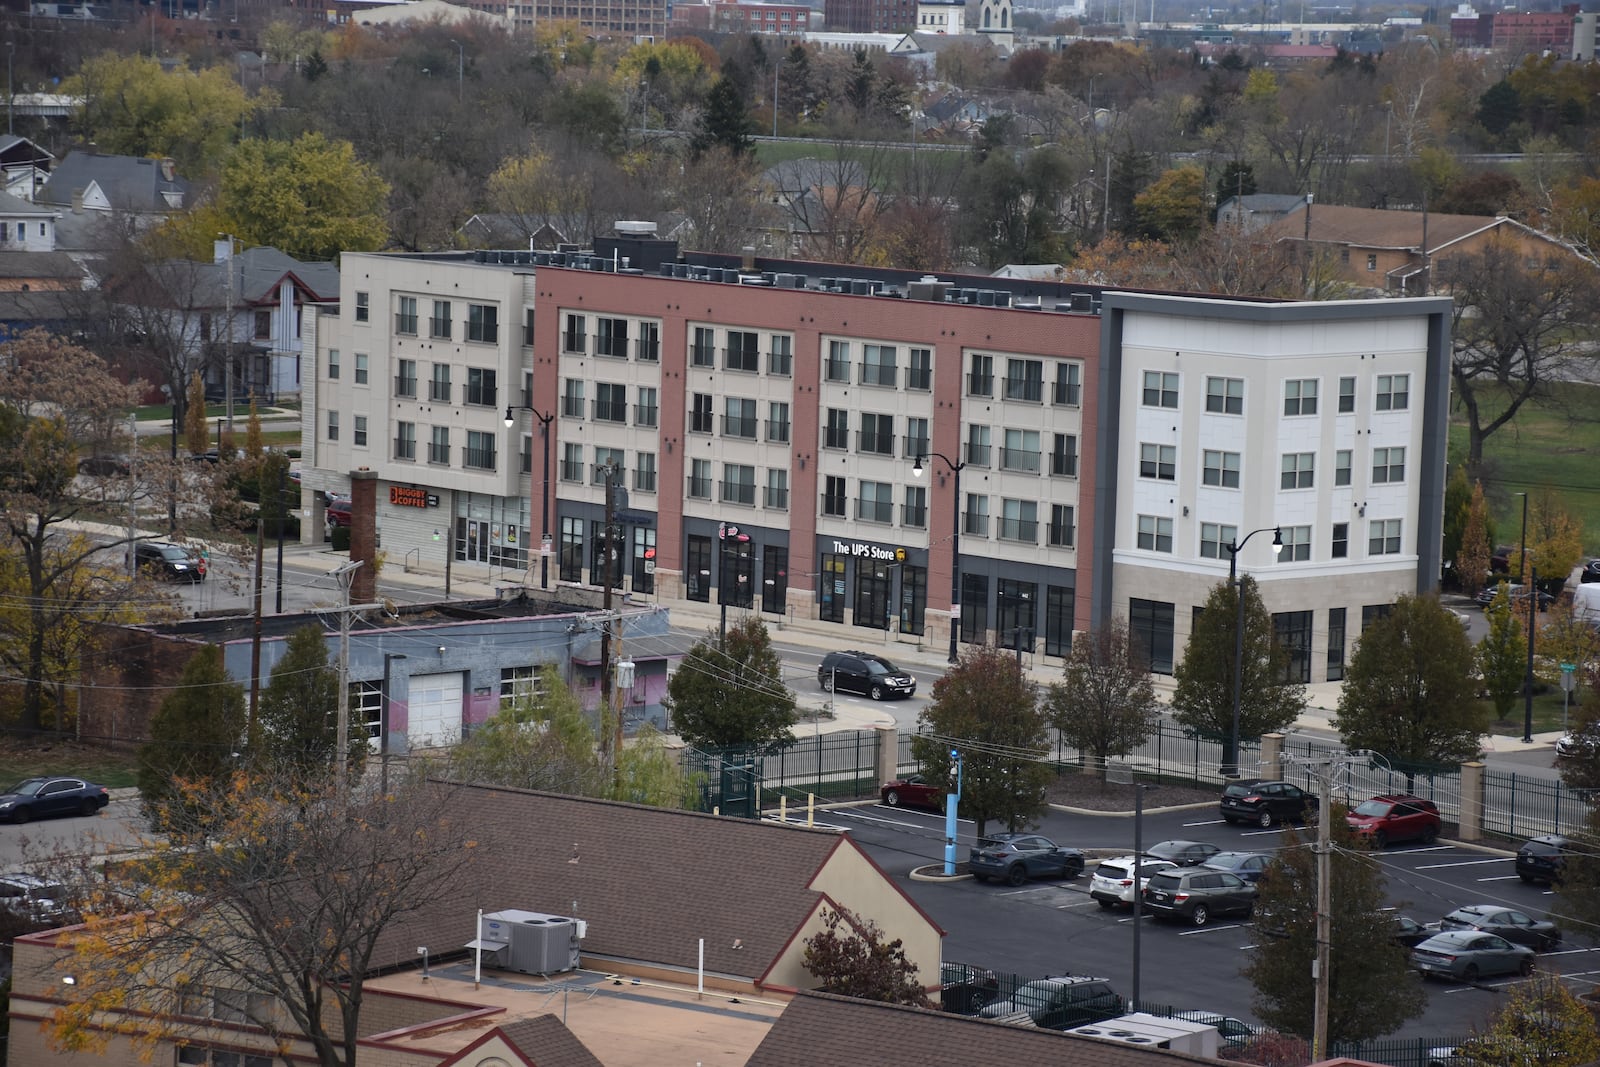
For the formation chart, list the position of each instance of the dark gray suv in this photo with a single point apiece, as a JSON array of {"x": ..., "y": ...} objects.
[
  {"x": 1060, "y": 1003},
  {"x": 864, "y": 672},
  {"x": 1196, "y": 894}
]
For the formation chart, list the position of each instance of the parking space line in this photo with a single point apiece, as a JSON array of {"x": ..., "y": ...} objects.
[
  {"x": 1464, "y": 863},
  {"x": 1567, "y": 952},
  {"x": 1209, "y": 930},
  {"x": 1208, "y": 822},
  {"x": 1500, "y": 878}
]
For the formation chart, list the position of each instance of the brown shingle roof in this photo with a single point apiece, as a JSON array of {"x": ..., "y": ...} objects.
[
  {"x": 822, "y": 1030},
  {"x": 547, "y": 1043},
  {"x": 1362, "y": 227}
]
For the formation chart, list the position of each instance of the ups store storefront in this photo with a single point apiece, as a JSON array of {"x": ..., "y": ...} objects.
[{"x": 871, "y": 584}]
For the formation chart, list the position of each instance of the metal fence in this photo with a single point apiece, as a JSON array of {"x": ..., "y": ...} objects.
[{"x": 832, "y": 766}]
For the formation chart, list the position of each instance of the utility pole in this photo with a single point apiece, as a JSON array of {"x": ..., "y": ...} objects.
[
  {"x": 227, "y": 366},
  {"x": 614, "y": 736},
  {"x": 255, "y": 636},
  {"x": 345, "y": 575},
  {"x": 133, "y": 491},
  {"x": 1533, "y": 629}
]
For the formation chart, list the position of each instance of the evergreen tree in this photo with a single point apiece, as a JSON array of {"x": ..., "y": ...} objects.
[
  {"x": 194, "y": 740},
  {"x": 729, "y": 692},
  {"x": 1503, "y": 653},
  {"x": 725, "y": 121},
  {"x": 296, "y": 728},
  {"x": 1457, "y": 514}
]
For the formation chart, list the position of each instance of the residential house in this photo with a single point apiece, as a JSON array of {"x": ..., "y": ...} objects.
[
  {"x": 1257, "y": 211},
  {"x": 93, "y": 191},
  {"x": 24, "y": 165},
  {"x": 539, "y": 1041}
]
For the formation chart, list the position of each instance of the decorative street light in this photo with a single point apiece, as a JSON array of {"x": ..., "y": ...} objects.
[
  {"x": 1230, "y": 757},
  {"x": 544, "y": 479},
  {"x": 955, "y": 544}
]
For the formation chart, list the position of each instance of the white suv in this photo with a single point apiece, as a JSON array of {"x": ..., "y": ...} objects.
[{"x": 1112, "y": 883}]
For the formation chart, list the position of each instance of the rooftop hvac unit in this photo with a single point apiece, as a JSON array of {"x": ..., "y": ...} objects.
[
  {"x": 927, "y": 289},
  {"x": 533, "y": 943},
  {"x": 666, "y": 269},
  {"x": 636, "y": 228},
  {"x": 1083, "y": 303},
  {"x": 1152, "y": 1031}
]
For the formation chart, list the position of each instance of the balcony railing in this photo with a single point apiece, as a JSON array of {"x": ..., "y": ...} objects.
[
  {"x": 980, "y": 384},
  {"x": 699, "y": 488},
  {"x": 878, "y": 444},
  {"x": 1028, "y": 389},
  {"x": 645, "y": 416},
  {"x": 874, "y": 510},
  {"x": 738, "y": 426},
  {"x": 913, "y": 515},
  {"x": 572, "y": 406},
  {"x": 479, "y": 459},
  {"x": 1061, "y": 534},
  {"x": 777, "y": 497},
  {"x": 777, "y": 432},
  {"x": 575, "y": 343},
  {"x": 406, "y": 387},
  {"x": 977, "y": 455},
  {"x": 438, "y": 453},
  {"x": 1020, "y": 530},
  {"x": 572, "y": 470},
  {"x": 647, "y": 350},
  {"x": 610, "y": 411},
  {"x": 1019, "y": 459},
  {"x": 405, "y": 448},
  {"x": 739, "y": 493},
  {"x": 439, "y": 391}
]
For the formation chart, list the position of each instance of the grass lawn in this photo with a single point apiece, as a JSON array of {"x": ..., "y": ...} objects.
[
  {"x": 241, "y": 412},
  {"x": 103, "y": 766},
  {"x": 1546, "y": 712}
]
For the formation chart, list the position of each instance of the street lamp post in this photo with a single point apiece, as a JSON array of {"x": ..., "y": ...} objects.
[
  {"x": 544, "y": 479},
  {"x": 461, "y": 70},
  {"x": 1522, "y": 542},
  {"x": 955, "y": 544},
  {"x": 1230, "y": 759}
]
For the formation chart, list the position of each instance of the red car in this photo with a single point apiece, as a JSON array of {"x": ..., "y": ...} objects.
[
  {"x": 914, "y": 792},
  {"x": 339, "y": 511},
  {"x": 1395, "y": 817}
]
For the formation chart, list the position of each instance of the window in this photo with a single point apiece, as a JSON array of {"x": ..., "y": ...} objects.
[
  {"x": 1160, "y": 389},
  {"x": 1296, "y": 544},
  {"x": 527, "y": 326},
  {"x": 1300, "y": 396},
  {"x": 878, "y": 365},
  {"x": 610, "y": 402},
  {"x": 1158, "y": 461},
  {"x": 1025, "y": 380},
  {"x": 833, "y": 496},
  {"x": 876, "y": 503},
  {"x": 333, "y": 425},
  {"x": 738, "y": 484},
  {"x": 333, "y": 364},
  {"x": 574, "y": 338},
  {"x": 645, "y": 412},
  {"x": 1019, "y": 521},
  {"x": 977, "y": 516},
  {"x": 480, "y": 451},
  {"x": 363, "y": 307},
  {"x": 780, "y": 360},
  {"x": 1155, "y": 533},
  {"x": 1371, "y": 613},
  {"x": 1220, "y": 468},
  {"x": 980, "y": 378},
  {"x": 571, "y": 549},
  {"x": 739, "y": 417},
  {"x": 1335, "y": 644},
  {"x": 978, "y": 446},
  {"x": 1341, "y": 541},
  {"x": 917, "y": 443},
  {"x": 644, "y": 472},
  {"x": 838, "y": 429},
  {"x": 743, "y": 351},
  {"x": 1394, "y": 392},
  {"x": 838, "y": 365},
  {"x": 877, "y": 434},
  {"x": 483, "y": 323},
  {"x": 439, "y": 324},
  {"x": 1388, "y": 466},
  {"x": 1063, "y": 526},
  {"x": 361, "y": 369},
  {"x": 1372, "y": 262},
  {"x": 263, "y": 325},
  {"x": 1383, "y": 537},
  {"x": 405, "y": 440},
  {"x": 405, "y": 319},
  {"x": 703, "y": 353},
  {"x": 1017, "y": 620},
  {"x": 1151, "y": 622},
  {"x": 1341, "y": 467},
  {"x": 571, "y": 462},
  {"x": 700, "y": 479},
  {"x": 1058, "y": 619},
  {"x": 360, "y": 435},
  {"x": 612, "y": 460},
  {"x": 572, "y": 399},
  {"x": 527, "y": 388},
  {"x": 1021, "y": 451},
  {"x": 649, "y": 343},
  {"x": 439, "y": 386},
  {"x": 526, "y": 454},
  {"x": 1225, "y": 396},
  {"x": 777, "y": 489},
  {"x": 611, "y": 338},
  {"x": 914, "y": 512},
  {"x": 1064, "y": 456},
  {"x": 919, "y": 375},
  {"x": 778, "y": 422},
  {"x": 481, "y": 387},
  {"x": 405, "y": 379},
  {"x": 439, "y": 445},
  {"x": 1298, "y": 470},
  {"x": 1216, "y": 539},
  {"x": 1293, "y": 630},
  {"x": 700, "y": 416},
  {"x": 518, "y": 685},
  {"x": 974, "y": 607},
  {"x": 1347, "y": 395},
  {"x": 1069, "y": 384}
]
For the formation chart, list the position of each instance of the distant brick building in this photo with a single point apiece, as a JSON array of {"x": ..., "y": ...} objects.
[{"x": 1522, "y": 31}]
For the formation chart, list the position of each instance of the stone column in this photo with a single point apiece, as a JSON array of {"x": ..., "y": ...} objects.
[
  {"x": 888, "y": 753},
  {"x": 1472, "y": 802},
  {"x": 364, "y": 534},
  {"x": 1272, "y": 756}
]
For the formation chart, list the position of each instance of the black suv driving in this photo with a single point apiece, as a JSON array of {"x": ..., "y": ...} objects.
[
  {"x": 864, "y": 672},
  {"x": 1264, "y": 803},
  {"x": 162, "y": 559}
]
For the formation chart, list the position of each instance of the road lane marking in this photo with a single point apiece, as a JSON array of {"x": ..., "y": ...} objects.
[
  {"x": 1463, "y": 863},
  {"x": 1209, "y": 930},
  {"x": 1501, "y": 878}
]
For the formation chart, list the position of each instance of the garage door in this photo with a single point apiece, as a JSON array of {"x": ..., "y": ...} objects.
[{"x": 434, "y": 710}]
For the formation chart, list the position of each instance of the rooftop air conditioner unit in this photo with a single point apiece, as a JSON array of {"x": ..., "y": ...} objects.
[
  {"x": 1083, "y": 303},
  {"x": 1152, "y": 1031},
  {"x": 534, "y": 943}
]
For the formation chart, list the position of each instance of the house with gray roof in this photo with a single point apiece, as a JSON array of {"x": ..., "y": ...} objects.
[
  {"x": 539, "y": 1041},
  {"x": 91, "y": 190},
  {"x": 24, "y": 165},
  {"x": 26, "y": 226}
]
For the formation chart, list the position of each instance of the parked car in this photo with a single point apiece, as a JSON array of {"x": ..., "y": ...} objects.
[
  {"x": 1540, "y": 859},
  {"x": 1183, "y": 853},
  {"x": 1266, "y": 802},
  {"x": 1395, "y": 817},
  {"x": 1060, "y": 1003},
  {"x": 1515, "y": 926},
  {"x": 1247, "y": 865},
  {"x": 105, "y": 464},
  {"x": 34, "y": 899},
  {"x": 1467, "y": 955},
  {"x": 864, "y": 672},
  {"x": 1014, "y": 858},
  {"x": 1197, "y": 893},
  {"x": 1583, "y": 742},
  {"x": 913, "y": 792},
  {"x": 338, "y": 513},
  {"x": 1590, "y": 572},
  {"x": 965, "y": 990},
  {"x": 35, "y": 798},
  {"x": 1112, "y": 882},
  {"x": 163, "y": 559},
  {"x": 1234, "y": 1032},
  {"x": 1519, "y": 596},
  {"x": 1410, "y": 933}
]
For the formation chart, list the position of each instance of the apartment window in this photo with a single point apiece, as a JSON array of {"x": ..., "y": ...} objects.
[
  {"x": 1160, "y": 389},
  {"x": 645, "y": 412},
  {"x": 1158, "y": 461},
  {"x": 1298, "y": 470},
  {"x": 878, "y": 365},
  {"x": 611, "y": 338},
  {"x": 700, "y": 418},
  {"x": 481, "y": 387},
  {"x": 574, "y": 338},
  {"x": 1216, "y": 539},
  {"x": 877, "y": 434},
  {"x": 439, "y": 323},
  {"x": 977, "y": 515},
  {"x": 333, "y": 364},
  {"x": 572, "y": 399},
  {"x": 1220, "y": 469},
  {"x": 480, "y": 451},
  {"x": 359, "y": 437},
  {"x": 876, "y": 502},
  {"x": 780, "y": 357},
  {"x": 778, "y": 422},
  {"x": 1296, "y": 544},
  {"x": 609, "y": 460},
  {"x": 405, "y": 319},
  {"x": 1063, "y": 523},
  {"x": 917, "y": 443},
  {"x": 1341, "y": 467},
  {"x": 1225, "y": 396},
  {"x": 978, "y": 446},
  {"x": 405, "y": 379},
  {"x": 1335, "y": 644},
  {"x": 527, "y": 388},
  {"x": 777, "y": 497},
  {"x": 648, "y": 345},
  {"x": 738, "y": 484},
  {"x": 1394, "y": 392},
  {"x": 644, "y": 472},
  {"x": 405, "y": 440},
  {"x": 837, "y": 368},
  {"x": 1019, "y": 520},
  {"x": 361, "y": 369},
  {"x": 838, "y": 429},
  {"x": 571, "y": 462},
  {"x": 914, "y": 512},
  {"x": 739, "y": 417},
  {"x": 610, "y": 402},
  {"x": 1021, "y": 451},
  {"x": 439, "y": 386},
  {"x": 919, "y": 373},
  {"x": 439, "y": 445},
  {"x": 1069, "y": 384},
  {"x": 833, "y": 496},
  {"x": 1341, "y": 541},
  {"x": 980, "y": 376},
  {"x": 1058, "y": 619},
  {"x": 1388, "y": 465},
  {"x": 700, "y": 479},
  {"x": 1025, "y": 380},
  {"x": 527, "y": 326},
  {"x": 571, "y": 549},
  {"x": 1155, "y": 533},
  {"x": 363, "y": 307},
  {"x": 974, "y": 607},
  {"x": 1152, "y": 625},
  {"x": 703, "y": 353},
  {"x": 1300, "y": 396},
  {"x": 526, "y": 454},
  {"x": 333, "y": 425},
  {"x": 1293, "y": 630},
  {"x": 1383, "y": 537},
  {"x": 1347, "y": 395},
  {"x": 483, "y": 323},
  {"x": 743, "y": 351},
  {"x": 1064, "y": 456}
]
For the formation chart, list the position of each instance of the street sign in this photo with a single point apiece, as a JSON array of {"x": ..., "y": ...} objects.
[
  {"x": 1568, "y": 668},
  {"x": 649, "y": 566}
]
